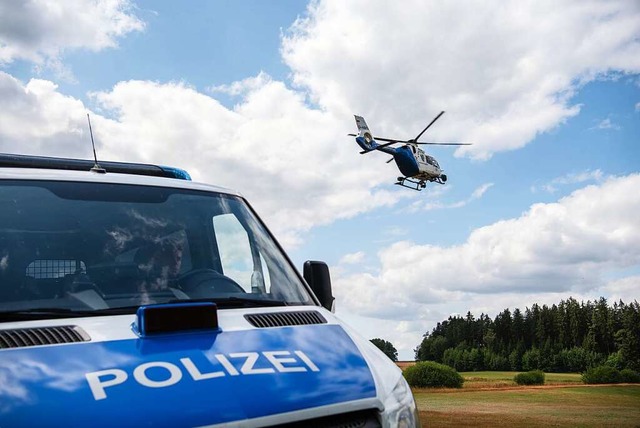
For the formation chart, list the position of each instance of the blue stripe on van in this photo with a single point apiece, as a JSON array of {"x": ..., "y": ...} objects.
[{"x": 182, "y": 380}]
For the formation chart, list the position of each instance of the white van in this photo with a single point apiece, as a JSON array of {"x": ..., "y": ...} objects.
[{"x": 132, "y": 296}]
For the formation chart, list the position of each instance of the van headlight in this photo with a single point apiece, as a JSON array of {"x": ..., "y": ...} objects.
[{"x": 400, "y": 408}]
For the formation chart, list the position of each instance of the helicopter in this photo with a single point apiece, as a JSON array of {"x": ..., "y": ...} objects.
[{"x": 417, "y": 167}]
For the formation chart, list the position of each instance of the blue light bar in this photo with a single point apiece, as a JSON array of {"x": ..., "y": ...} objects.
[
  {"x": 177, "y": 172},
  {"x": 44, "y": 162}
]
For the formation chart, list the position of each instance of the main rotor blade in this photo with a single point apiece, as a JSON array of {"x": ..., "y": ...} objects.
[
  {"x": 447, "y": 144},
  {"x": 389, "y": 160},
  {"x": 386, "y": 144},
  {"x": 391, "y": 141},
  {"x": 383, "y": 139},
  {"x": 436, "y": 118}
]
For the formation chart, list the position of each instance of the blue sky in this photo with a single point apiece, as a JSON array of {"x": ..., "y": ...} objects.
[
  {"x": 203, "y": 43},
  {"x": 259, "y": 96}
]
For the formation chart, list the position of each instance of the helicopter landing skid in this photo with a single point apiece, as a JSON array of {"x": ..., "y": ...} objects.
[{"x": 411, "y": 184}]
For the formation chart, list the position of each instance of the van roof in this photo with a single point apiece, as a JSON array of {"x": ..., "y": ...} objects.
[
  {"x": 44, "y": 162},
  {"x": 21, "y": 167}
]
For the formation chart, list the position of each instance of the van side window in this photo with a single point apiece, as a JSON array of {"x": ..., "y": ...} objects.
[{"x": 234, "y": 249}]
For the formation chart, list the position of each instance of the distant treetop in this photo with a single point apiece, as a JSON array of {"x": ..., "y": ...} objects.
[{"x": 386, "y": 347}]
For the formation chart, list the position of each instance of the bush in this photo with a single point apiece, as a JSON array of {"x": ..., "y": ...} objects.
[
  {"x": 601, "y": 374},
  {"x": 629, "y": 376},
  {"x": 615, "y": 360},
  {"x": 534, "y": 377},
  {"x": 429, "y": 374}
]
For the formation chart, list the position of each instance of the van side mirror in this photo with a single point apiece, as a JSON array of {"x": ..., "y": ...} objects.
[{"x": 317, "y": 276}]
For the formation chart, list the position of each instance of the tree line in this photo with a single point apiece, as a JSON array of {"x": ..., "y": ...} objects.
[{"x": 570, "y": 336}]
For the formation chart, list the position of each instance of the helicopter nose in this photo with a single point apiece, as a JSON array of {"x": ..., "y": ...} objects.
[{"x": 443, "y": 177}]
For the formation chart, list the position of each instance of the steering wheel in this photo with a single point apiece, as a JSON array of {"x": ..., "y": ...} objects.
[{"x": 202, "y": 283}]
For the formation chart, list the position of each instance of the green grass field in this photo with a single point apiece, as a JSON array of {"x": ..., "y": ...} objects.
[
  {"x": 493, "y": 399},
  {"x": 475, "y": 380}
]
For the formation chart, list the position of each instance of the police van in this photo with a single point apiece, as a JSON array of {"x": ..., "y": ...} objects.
[{"x": 133, "y": 296}]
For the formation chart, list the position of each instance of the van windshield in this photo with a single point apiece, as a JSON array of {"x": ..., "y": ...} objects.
[{"x": 80, "y": 248}]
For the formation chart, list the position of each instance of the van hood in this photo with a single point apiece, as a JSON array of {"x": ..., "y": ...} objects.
[{"x": 189, "y": 379}]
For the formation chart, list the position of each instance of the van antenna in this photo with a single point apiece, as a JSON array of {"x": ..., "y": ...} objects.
[{"x": 96, "y": 166}]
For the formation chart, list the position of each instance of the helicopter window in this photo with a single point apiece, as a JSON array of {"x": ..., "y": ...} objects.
[
  {"x": 413, "y": 149},
  {"x": 432, "y": 161}
]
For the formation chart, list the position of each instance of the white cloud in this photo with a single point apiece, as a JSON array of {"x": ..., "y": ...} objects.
[
  {"x": 352, "y": 258},
  {"x": 479, "y": 192},
  {"x": 503, "y": 71},
  {"x": 243, "y": 86},
  {"x": 391, "y": 234},
  {"x": 563, "y": 247},
  {"x": 294, "y": 164},
  {"x": 291, "y": 161},
  {"x": 581, "y": 177},
  {"x": 570, "y": 178},
  {"x": 395, "y": 231},
  {"x": 500, "y": 84},
  {"x": 437, "y": 205},
  {"x": 638, "y": 107},
  {"x": 548, "y": 254},
  {"x": 406, "y": 334},
  {"x": 606, "y": 124},
  {"x": 36, "y": 119},
  {"x": 40, "y": 30},
  {"x": 626, "y": 289}
]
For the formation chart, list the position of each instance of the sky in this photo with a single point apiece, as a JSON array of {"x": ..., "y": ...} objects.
[{"x": 260, "y": 96}]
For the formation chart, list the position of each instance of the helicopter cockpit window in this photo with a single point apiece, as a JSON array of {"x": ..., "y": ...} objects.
[{"x": 432, "y": 161}]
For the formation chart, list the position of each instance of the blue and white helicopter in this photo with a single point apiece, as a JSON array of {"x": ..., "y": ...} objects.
[{"x": 412, "y": 161}]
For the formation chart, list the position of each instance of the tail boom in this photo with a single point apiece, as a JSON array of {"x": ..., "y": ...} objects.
[{"x": 366, "y": 140}]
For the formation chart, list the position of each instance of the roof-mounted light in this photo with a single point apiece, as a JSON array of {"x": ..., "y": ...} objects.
[
  {"x": 168, "y": 318},
  {"x": 44, "y": 162}
]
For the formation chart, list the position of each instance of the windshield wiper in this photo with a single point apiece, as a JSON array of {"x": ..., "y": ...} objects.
[
  {"x": 52, "y": 312},
  {"x": 235, "y": 302},
  {"x": 39, "y": 313},
  {"x": 44, "y": 313}
]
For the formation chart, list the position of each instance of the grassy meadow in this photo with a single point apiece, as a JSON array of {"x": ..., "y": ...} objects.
[
  {"x": 493, "y": 399},
  {"x": 476, "y": 380}
]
